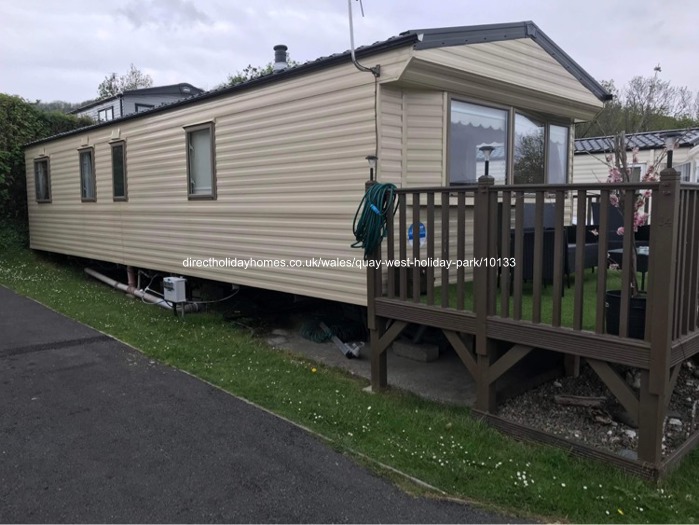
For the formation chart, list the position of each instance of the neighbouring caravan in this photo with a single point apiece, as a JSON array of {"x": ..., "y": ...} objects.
[
  {"x": 272, "y": 170},
  {"x": 590, "y": 165}
]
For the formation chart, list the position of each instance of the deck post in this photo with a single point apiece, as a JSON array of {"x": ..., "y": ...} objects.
[
  {"x": 661, "y": 298},
  {"x": 376, "y": 325},
  {"x": 485, "y": 349}
]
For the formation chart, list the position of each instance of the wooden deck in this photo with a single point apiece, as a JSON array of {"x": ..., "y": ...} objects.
[{"x": 485, "y": 225}]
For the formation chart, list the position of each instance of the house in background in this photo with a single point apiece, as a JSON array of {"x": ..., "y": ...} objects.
[
  {"x": 135, "y": 101},
  {"x": 589, "y": 165},
  {"x": 272, "y": 170}
]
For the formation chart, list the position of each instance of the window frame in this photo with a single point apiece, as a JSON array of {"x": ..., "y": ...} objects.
[
  {"x": 99, "y": 111},
  {"x": 642, "y": 167},
  {"x": 210, "y": 126},
  {"x": 547, "y": 120},
  {"x": 571, "y": 140},
  {"x": 492, "y": 105},
  {"x": 138, "y": 107},
  {"x": 113, "y": 145},
  {"x": 534, "y": 118},
  {"x": 37, "y": 161},
  {"x": 91, "y": 151}
]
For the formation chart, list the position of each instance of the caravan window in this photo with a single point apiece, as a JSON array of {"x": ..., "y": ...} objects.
[
  {"x": 201, "y": 173},
  {"x": 525, "y": 149},
  {"x": 558, "y": 144},
  {"x": 87, "y": 175},
  {"x": 119, "y": 170},
  {"x": 685, "y": 171},
  {"x": 529, "y": 150},
  {"x": 105, "y": 114},
  {"x": 473, "y": 126},
  {"x": 42, "y": 180}
]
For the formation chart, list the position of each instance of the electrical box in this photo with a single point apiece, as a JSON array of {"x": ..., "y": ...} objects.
[{"x": 174, "y": 289}]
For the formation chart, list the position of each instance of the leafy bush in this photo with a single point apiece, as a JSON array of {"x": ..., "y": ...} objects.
[{"x": 21, "y": 122}]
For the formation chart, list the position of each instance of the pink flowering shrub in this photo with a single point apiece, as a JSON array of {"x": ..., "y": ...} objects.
[
  {"x": 617, "y": 175},
  {"x": 620, "y": 172}
]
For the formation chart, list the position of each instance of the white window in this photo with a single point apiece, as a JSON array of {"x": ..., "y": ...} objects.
[
  {"x": 201, "y": 173},
  {"x": 685, "y": 171},
  {"x": 87, "y": 175},
  {"x": 473, "y": 126},
  {"x": 558, "y": 145},
  {"x": 638, "y": 170},
  {"x": 538, "y": 154},
  {"x": 42, "y": 180},
  {"x": 529, "y": 150}
]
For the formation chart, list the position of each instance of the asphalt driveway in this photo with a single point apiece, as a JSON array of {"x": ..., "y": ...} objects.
[{"x": 93, "y": 431}]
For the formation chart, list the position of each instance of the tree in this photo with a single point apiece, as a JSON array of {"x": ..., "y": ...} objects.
[
  {"x": 529, "y": 158},
  {"x": 114, "y": 84},
  {"x": 645, "y": 104},
  {"x": 251, "y": 72},
  {"x": 60, "y": 106}
]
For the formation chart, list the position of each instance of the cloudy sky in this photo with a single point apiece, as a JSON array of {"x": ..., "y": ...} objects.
[{"x": 62, "y": 49}]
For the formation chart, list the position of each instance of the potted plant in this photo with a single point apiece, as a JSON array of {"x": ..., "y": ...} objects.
[{"x": 621, "y": 171}]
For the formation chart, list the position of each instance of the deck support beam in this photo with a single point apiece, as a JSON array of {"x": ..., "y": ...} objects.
[
  {"x": 651, "y": 422},
  {"x": 467, "y": 358},
  {"x": 379, "y": 365},
  {"x": 513, "y": 356},
  {"x": 618, "y": 387}
]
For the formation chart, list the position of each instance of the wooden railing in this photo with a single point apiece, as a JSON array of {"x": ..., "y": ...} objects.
[
  {"x": 507, "y": 235},
  {"x": 514, "y": 265},
  {"x": 686, "y": 257}
]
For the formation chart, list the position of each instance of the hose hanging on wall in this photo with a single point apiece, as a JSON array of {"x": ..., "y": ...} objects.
[{"x": 369, "y": 227}]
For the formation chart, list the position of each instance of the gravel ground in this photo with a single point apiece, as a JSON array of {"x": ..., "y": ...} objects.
[{"x": 608, "y": 426}]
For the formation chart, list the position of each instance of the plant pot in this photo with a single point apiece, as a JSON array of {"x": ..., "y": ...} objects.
[{"x": 637, "y": 314}]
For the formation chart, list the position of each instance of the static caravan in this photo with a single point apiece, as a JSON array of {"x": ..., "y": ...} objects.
[
  {"x": 272, "y": 170},
  {"x": 135, "y": 101},
  {"x": 590, "y": 165}
]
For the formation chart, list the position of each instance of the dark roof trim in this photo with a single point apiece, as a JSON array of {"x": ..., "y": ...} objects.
[
  {"x": 93, "y": 104},
  {"x": 172, "y": 89},
  {"x": 643, "y": 141},
  {"x": 457, "y": 36}
]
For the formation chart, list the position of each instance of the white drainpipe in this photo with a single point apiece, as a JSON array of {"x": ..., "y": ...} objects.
[{"x": 132, "y": 290}]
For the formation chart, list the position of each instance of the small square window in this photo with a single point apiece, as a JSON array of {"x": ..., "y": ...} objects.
[
  {"x": 105, "y": 114},
  {"x": 119, "y": 171},
  {"x": 42, "y": 180},
  {"x": 201, "y": 164},
  {"x": 143, "y": 107},
  {"x": 88, "y": 191}
]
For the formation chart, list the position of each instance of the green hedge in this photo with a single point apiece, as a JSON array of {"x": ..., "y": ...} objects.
[{"x": 22, "y": 122}]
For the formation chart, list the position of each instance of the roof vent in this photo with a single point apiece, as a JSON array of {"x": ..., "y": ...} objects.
[{"x": 280, "y": 58}]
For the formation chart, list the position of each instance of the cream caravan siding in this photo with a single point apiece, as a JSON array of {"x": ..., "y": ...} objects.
[
  {"x": 391, "y": 136},
  {"x": 425, "y": 138},
  {"x": 515, "y": 73},
  {"x": 412, "y": 142},
  {"x": 519, "y": 62},
  {"x": 290, "y": 165}
]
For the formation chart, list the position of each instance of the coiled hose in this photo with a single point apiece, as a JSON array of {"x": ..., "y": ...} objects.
[{"x": 377, "y": 206}]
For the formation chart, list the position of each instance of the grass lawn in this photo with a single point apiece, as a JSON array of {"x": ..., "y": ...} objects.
[
  {"x": 441, "y": 445},
  {"x": 567, "y": 307}
]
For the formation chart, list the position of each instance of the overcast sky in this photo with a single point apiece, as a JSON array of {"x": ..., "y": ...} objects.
[{"x": 62, "y": 49}]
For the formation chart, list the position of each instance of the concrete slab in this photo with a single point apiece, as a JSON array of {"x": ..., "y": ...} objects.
[{"x": 445, "y": 380}]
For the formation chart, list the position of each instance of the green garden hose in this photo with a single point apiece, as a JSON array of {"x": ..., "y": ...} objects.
[{"x": 370, "y": 222}]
